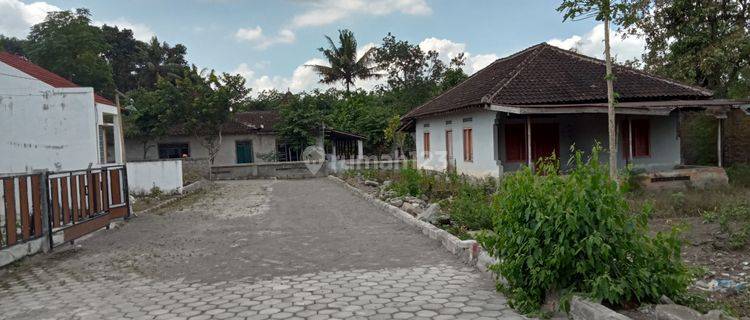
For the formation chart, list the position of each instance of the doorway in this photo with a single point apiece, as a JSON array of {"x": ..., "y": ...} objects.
[
  {"x": 244, "y": 151},
  {"x": 545, "y": 140}
]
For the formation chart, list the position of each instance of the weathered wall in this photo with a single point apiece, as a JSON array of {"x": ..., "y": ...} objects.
[
  {"x": 163, "y": 174},
  {"x": 581, "y": 130},
  {"x": 482, "y": 125},
  {"x": 737, "y": 139},
  {"x": 262, "y": 144},
  {"x": 42, "y": 127}
]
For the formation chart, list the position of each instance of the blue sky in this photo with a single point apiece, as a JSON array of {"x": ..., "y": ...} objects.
[{"x": 269, "y": 41}]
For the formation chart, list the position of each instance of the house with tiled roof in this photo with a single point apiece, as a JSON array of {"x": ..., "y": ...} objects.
[
  {"x": 49, "y": 122},
  {"x": 247, "y": 138},
  {"x": 544, "y": 100}
]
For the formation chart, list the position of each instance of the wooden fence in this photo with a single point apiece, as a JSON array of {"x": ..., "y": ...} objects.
[{"x": 71, "y": 203}]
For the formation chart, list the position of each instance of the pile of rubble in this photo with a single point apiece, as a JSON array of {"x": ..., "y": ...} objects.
[{"x": 415, "y": 206}]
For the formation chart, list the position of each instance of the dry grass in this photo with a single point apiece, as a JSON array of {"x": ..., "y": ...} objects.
[{"x": 689, "y": 203}]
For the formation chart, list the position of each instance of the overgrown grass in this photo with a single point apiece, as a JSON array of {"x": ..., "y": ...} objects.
[
  {"x": 688, "y": 203},
  {"x": 739, "y": 175}
]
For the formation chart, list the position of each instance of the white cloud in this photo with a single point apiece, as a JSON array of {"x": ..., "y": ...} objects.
[
  {"x": 329, "y": 11},
  {"x": 249, "y": 34},
  {"x": 448, "y": 50},
  {"x": 261, "y": 41},
  {"x": 141, "y": 31},
  {"x": 592, "y": 44},
  {"x": 17, "y": 17},
  {"x": 303, "y": 78}
]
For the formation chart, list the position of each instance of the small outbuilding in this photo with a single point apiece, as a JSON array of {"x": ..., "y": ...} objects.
[{"x": 544, "y": 100}]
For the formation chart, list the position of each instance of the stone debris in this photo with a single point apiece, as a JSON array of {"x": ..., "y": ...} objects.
[
  {"x": 432, "y": 214},
  {"x": 372, "y": 183},
  {"x": 411, "y": 208},
  {"x": 396, "y": 202},
  {"x": 678, "y": 312}
]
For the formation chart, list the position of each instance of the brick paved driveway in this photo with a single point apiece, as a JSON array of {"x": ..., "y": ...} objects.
[{"x": 253, "y": 250}]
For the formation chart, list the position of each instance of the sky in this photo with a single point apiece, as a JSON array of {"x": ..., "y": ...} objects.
[{"x": 269, "y": 42}]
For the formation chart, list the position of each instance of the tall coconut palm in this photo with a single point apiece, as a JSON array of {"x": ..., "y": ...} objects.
[{"x": 344, "y": 65}]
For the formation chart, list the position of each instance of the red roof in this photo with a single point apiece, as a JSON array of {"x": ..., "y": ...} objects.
[{"x": 44, "y": 75}]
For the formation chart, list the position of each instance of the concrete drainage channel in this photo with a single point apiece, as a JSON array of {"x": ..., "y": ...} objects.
[{"x": 470, "y": 252}]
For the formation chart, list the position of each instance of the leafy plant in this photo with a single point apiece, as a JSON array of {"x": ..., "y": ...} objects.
[
  {"x": 575, "y": 233},
  {"x": 409, "y": 182},
  {"x": 471, "y": 207},
  {"x": 739, "y": 175}
]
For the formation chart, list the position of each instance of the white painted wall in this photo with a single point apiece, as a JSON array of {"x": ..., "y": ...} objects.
[
  {"x": 42, "y": 127},
  {"x": 164, "y": 174},
  {"x": 262, "y": 144},
  {"x": 482, "y": 124},
  {"x": 580, "y": 130}
]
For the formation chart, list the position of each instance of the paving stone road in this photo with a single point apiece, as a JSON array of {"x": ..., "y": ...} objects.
[{"x": 304, "y": 249}]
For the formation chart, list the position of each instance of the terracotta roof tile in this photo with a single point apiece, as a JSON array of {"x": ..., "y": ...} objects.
[
  {"x": 544, "y": 74},
  {"x": 243, "y": 123},
  {"x": 44, "y": 75}
]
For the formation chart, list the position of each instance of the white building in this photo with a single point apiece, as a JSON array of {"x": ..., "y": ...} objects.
[
  {"x": 48, "y": 122},
  {"x": 544, "y": 100}
]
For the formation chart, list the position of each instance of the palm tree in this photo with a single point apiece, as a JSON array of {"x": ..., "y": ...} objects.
[{"x": 344, "y": 65}]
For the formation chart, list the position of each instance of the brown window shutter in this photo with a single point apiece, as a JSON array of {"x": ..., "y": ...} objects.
[
  {"x": 641, "y": 138},
  {"x": 426, "y": 143}
]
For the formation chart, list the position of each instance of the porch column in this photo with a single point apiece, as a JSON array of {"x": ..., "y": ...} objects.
[
  {"x": 360, "y": 150},
  {"x": 718, "y": 142},
  {"x": 333, "y": 150},
  {"x": 528, "y": 142},
  {"x": 630, "y": 140}
]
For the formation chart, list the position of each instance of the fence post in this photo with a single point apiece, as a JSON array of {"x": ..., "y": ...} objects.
[
  {"x": 126, "y": 191},
  {"x": 45, "y": 214}
]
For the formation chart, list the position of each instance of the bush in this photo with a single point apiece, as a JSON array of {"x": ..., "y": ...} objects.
[
  {"x": 574, "y": 234},
  {"x": 471, "y": 207},
  {"x": 409, "y": 182},
  {"x": 739, "y": 175}
]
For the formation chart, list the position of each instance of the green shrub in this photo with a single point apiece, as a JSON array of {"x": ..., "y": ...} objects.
[
  {"x": 409, "y": 182},
  {"x": 471, "y": 207},
  {"x": 739, "y": 175},
  {"x": 574, "y": 233}
]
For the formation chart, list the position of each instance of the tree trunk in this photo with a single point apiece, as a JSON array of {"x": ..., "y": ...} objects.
[{"x": 610, "y": 104}]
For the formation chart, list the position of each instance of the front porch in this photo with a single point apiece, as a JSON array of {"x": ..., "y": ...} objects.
[{"x": 647, "y": 142}]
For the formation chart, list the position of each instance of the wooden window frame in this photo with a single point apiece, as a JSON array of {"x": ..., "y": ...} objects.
[
  {"x": 449, "y": 144},
  {"x": 468, "y": 139},
  {"x": 641, "y": 129},
  {"x": 426, "y": 144}
]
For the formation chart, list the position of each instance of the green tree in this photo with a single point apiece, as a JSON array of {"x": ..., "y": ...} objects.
[
  {"x": 302, "y": 117},
  {"x": 412, "y": 75},
  {"x": 607, "y": 11},
  {"x": 67, "y": 44},
  {"x": 344, "y": 65},
  {"x": 123, "y": 56},
  {"x": 149, "y": 118},
  {"x": 159, "y": 60},
  {"x": 699, "y": 42},
  {"x": 12, "y": 45}
]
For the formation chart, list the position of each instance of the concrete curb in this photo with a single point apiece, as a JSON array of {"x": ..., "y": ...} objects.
[
  {"x": 473, "y": 254},
  {"x": 584, "y": 309},
  {"x": 468, "y": 251}
]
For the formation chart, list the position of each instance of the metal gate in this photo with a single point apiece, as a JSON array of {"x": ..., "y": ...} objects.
[{"x": 75, "y": 203}]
